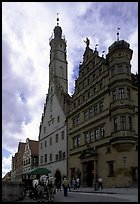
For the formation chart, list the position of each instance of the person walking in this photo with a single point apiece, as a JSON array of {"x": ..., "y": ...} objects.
[
  {"x": 74, "y": 183},
  {"x": 65, "y": 185},
  {"x": 100, "y": 184}
]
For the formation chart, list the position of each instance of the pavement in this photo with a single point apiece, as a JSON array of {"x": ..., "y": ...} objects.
[
  {"x": 121, "y": 191},
  {"x": 108, "y": 190}
]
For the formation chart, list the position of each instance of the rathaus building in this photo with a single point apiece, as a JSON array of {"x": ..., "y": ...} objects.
[
  {"x": 103, "y": 119},
  {"x": 53, "y": 128},
  {"x": 94, "y": 132}
]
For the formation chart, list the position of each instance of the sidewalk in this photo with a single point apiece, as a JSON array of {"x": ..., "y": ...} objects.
[{"x": 108, "y": 190}]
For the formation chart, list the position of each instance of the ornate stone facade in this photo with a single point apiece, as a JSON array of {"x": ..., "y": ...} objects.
[{"x": 103, "y": 119}]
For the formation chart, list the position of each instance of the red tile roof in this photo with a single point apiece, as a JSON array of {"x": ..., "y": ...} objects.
[{"x": 34, "y": 146}]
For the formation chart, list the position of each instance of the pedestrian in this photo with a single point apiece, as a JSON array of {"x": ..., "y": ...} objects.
[
  {"x": 65, "y": 185},
  {"x": 78, "y": 182},
  {"x": 100, "y": 183},
  {"x": 74, "y": 183}
]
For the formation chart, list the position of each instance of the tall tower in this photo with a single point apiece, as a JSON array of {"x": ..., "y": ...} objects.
[
  {"x": 53, "y": 128},
  {"x": 58, "y": 63}
]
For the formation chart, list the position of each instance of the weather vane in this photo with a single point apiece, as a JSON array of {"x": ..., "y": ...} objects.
[{"x": 87, "y": 42}]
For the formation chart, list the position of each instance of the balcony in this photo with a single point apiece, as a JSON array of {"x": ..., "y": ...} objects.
[{"x": 123, "y": 140}]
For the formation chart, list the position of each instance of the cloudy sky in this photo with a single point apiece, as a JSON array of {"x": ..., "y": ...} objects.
[{"x": 26, "y": 29}]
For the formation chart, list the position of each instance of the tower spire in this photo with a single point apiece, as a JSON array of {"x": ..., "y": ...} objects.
[
  {"x": 57, "y": 20},
  {"x": 118, "y": 34}
]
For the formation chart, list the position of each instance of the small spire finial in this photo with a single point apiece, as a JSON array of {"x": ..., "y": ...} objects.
[
  {"x": 96, "y": 47},
  {"x": 118, "y": 34},
  {"x": 57, "y": 19},
  {"x": 103, "y": 53}
]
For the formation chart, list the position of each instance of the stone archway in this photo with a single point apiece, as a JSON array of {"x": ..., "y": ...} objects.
[{"x": 58, "y": 178}]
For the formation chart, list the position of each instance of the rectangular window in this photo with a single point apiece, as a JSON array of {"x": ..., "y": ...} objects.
[
  {"x": 90, "y": 112},
  {"x": 45, "y": 143},
  {"x": 123, "y": 123},
  {"x": 63, "y": 155},
  {"x": 115, "y": 124},
  {"x": 111, "y": 168},
  {"x": 101, "y": 84},
  {"x": 101, "y": 106},
  {"x": 50, "y": 157},
  {"x": 50, "y": 140},
  {"x": 44, "y": 129},
  {"x": 97, "y": 135},
  {"x": 102, "y": 132},
  {"x": 74, "y": 122},
  {"x": 62, "y": 135},
  {"x": 92, "y": 136},
  {"x": 87, "y": 138},
  {"x": 78, "y": 140},
  {"x": 77, "y": 119},
  {"x": 60, "y": 155},
  {"x": 41, "y": 145},
  {"x": 45, "y": 158},
  {"x": 95, "y": 110},
  {"x": 58, "y": 119},
  {"x": 56, "y": 138},
  {"x": 121, "y": 93},
  {"x": 114, "y": 95},
  {"x": 130, "y": 122},
  {"x": 128, "y": 93},
  {"x": 41, "y": 159},
  {"x": 86, "y": 115}
]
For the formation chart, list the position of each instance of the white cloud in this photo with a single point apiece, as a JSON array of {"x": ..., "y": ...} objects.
[
  {"x": 26, "y": 29},
  {"x": 6, "y": 164}
]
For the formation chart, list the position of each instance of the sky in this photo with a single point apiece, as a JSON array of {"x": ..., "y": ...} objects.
[{"x": 26, "y": 29}]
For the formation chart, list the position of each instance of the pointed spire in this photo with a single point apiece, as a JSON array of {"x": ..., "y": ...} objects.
[
  {"x": 57, "y": 20},
  {"x": 103, "y": 53},
  {"x": 96, "y": 47},
  {"x": 118, "y": 34},
  {"x": 57, "y": 29}
]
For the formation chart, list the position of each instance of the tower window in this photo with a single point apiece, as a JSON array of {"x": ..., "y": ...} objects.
[
  {"x": 123, "y": 122},
  {"x": 56, "y": 137},
  {"x": 50, "y": 140},
  {"x": 130, "y": 122},
  {"x": 121, "y": 93},
  {"x": 114, "y": 94},
  {"x": 115, "y": 124},
  {"x": 62, "y": 134}
]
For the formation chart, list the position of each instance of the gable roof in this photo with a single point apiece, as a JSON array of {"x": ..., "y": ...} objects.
[{"x": 34, "y": 146}]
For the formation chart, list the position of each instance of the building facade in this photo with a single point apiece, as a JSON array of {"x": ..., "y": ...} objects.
[
  {"x": 30, "y": 155},
  {"x": 53, "y": 128},
  {"x": 19, "y": 162},
  {"x": 103, "y": 119},
  {"x": 13, "y": 171}
]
